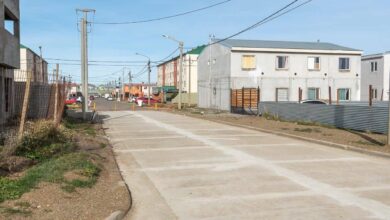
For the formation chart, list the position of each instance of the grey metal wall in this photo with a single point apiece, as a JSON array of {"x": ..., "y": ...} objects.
[{"x": 354, "y": 117}]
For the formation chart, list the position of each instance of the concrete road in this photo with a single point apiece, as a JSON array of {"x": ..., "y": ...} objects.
[{"x": 184, "y": 168}]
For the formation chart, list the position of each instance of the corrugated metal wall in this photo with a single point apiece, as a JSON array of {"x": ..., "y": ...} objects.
[{"x": 354, "y": 117}]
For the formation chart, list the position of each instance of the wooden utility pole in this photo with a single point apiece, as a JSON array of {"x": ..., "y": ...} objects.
[
  {"x": 25, "y": 105},
  {"x": 56, "y": 95}
]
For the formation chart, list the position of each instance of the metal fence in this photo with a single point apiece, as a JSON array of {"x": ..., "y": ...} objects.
[{"x": 346, "y": 116}]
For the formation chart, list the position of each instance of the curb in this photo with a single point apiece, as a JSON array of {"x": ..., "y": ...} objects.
[
  {"x": 117, "y": 215},
  {"x": 326, "y": 143}
]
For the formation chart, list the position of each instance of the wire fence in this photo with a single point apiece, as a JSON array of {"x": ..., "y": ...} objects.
[{"x": 23, "y": 98}]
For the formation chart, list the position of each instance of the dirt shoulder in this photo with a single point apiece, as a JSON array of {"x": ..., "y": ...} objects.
[
  {"x": 362, "y": 140},
  {"x": 50, "y": 200}
]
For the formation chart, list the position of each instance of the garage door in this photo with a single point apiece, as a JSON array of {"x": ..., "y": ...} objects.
[{"x": 282, "y": 95}]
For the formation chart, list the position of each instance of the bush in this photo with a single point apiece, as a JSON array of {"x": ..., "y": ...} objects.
[{"x": 42, "y": 140}]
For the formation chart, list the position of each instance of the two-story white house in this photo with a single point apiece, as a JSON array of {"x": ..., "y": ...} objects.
[
  {"x": 375, "y": 72},
  {"x": 280, "y": 69}
]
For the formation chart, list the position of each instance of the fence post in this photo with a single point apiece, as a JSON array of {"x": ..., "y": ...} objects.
[
  {"x": 330, "y": 95},
  {"x": 250, "y": 99},
  {"x": 56, "y": 96},
  {"x": 382, "y": 95},
  {"x": 370, "y": 95},
  {"x": 242, "y": 101},
  {"x": 26, "y": 100},
  {"x": 299, "y": 94},
  {"x": 258, "y": 101},
  {"x": 231, "y": 100}
]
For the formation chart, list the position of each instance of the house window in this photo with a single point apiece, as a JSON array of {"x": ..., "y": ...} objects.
[
  {"x": 9, "y": 21},
  {"x": 374, "y": 66},
  {"x": 313, "y": 93},
  {"x": 248, "y": 62},
  {"x": 281, "y": 94},
  {"x": 282, "y": 62},
  {"x": 313, "y": 63},
  {"x": 344, "y": 94},
  {"x": 344, "y": 63}
]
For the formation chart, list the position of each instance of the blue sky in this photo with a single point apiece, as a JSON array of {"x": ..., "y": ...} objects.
[{"x": 360, "y": 24}]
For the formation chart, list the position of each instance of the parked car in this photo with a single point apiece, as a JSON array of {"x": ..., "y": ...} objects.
[
  {"x": 71, "y": 101},
  {"x": 145, "y": 100},
  {"x": 317, "y": 102},
  {"x": 110, "y": 98}
]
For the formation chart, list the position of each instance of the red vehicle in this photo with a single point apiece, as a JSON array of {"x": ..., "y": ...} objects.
[
  {"x": 145, "y": 100},
  {"x": 71, "y": 101}
]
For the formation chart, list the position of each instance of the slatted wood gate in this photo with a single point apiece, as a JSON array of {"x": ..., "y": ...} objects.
[{"x": 245, "y": 100}]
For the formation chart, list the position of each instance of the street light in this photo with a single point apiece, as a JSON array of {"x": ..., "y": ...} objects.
[
  {"x": 181, "y": 46},
  {"x": 149, "y": 70}
]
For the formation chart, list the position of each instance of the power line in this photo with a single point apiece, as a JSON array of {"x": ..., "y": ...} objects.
[
  {"x": 269, "y": 18},
  {"x": 165, "y": 17}
]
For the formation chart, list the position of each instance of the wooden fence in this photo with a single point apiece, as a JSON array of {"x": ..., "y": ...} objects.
[{"x": 245, "y": 100}]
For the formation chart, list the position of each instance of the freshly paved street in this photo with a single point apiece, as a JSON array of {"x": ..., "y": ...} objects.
[{"x": 184, "y": 168}]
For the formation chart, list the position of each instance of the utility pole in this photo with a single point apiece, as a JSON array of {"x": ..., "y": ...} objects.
[
  {"x": 149, "y": 71},
  {"x": 123, "y": 84},
  {"x": 388, "y": 128},
  {"x": 189, "y": 81},
  {"x": 181, "y": 46},
  {"x": 84, "y": 59}
]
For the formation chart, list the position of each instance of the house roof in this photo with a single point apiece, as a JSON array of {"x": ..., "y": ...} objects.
[
  {"x": 283, "y": 45},
  {"x": 375, "y": 56},
  {"x": 195, "y": 51}
]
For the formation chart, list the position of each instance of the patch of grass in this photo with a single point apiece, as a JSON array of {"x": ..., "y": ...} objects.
[
  {"x": 102, "y": 145},
  {"x": 80, "y": 126},
  {"x": 23, "y": 204},
  {"x": 43, "y": 141},
  {"x": 50, "y": 171},
  {"x": 367, "y": 143},
  {"x": 307, "y": 130},
  {"x": 15, "y": 211}
]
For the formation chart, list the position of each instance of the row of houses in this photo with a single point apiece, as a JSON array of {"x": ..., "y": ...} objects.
[{"x": 281, "y": 69}]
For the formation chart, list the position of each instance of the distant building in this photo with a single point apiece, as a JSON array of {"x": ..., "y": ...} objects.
[
  {"x": 168, "y": 72},
  {"x": 376, "y": 72},
  {"x": 9, "y": 55},
  {"x": 279, "y": 69},
  {"x": 139, "y": 90},
  {"x": 31, "y": 62}
]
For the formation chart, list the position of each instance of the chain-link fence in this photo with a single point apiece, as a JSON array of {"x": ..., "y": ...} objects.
[{"x": 25, "y": 99}]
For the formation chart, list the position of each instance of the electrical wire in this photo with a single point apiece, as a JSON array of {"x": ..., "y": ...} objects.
[
  {"x": 165, "y": 17},
  {"x": 269, "y": 18}
]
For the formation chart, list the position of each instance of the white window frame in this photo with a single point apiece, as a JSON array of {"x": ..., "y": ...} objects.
[
  {"x": 349, "y": 64},
  {"x": 319, "y": 64},
  {"x": 317, "y": 92},
  {"x": 287, "y": 62},
  {"x": 349, "y": 92}
]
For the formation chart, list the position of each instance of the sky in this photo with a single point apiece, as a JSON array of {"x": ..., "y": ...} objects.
[{"x": 359, "y": 24}]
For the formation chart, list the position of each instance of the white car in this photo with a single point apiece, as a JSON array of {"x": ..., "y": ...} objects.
[{"x": 110, "y": 98}]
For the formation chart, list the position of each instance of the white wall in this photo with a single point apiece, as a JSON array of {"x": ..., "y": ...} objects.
[
  {"x": 214, "y": 76},
  {"x": 268, "y": 78},
  {"x": 376, "y": 78}
]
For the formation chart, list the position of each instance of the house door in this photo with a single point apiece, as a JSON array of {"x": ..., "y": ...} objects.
[{"x": 281, "y": 95}]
